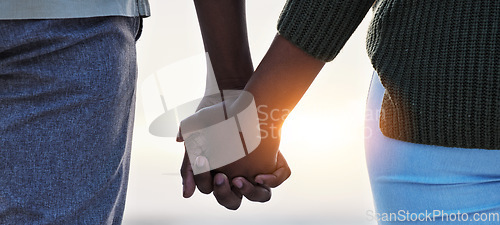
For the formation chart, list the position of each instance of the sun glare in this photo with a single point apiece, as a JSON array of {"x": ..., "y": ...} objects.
[{"x": 320, "y": 132}]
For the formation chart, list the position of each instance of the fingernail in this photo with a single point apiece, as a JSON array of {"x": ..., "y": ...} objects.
[
  {"x": 259, "y": 180},
  {"x": 238, "y": 183},
  {"x": 219, "y": 180},
  {"x": 200, "y": 162}
]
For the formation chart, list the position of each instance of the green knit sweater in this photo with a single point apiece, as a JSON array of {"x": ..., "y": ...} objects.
[{"x": 439, "y": 61}]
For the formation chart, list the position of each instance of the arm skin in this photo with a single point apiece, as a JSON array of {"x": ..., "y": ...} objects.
[
  {"x": 280, "y": 81},
  {"x": 282, "y": 78},
  {"x": 224, "y": 32},
  {"x": 223, "y": 28}
]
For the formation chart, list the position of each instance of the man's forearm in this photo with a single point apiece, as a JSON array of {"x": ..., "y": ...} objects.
[{"x": 224, "y": 32}]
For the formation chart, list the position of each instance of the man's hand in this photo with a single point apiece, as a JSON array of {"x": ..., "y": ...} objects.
[{"x": 230, "y": 194}]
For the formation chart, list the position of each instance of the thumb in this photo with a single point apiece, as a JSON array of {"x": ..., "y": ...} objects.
[
  {"x": 202, "y": 176},
  {"x": 277, "y": 177},
  {"x": 200, "y": 165}
]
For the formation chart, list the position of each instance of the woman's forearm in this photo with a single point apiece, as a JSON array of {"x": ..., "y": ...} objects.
[{"x": 281, "y": 79}]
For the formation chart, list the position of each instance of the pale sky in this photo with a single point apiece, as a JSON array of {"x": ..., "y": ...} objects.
[{"x": 322, "y": 139}]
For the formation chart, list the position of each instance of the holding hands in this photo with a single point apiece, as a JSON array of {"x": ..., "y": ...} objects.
[
  {"x": 228, "y": 149},
  {"x": 215, "y": 160}
]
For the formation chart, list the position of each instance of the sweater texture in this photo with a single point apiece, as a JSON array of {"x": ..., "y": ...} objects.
[{"x": 438, "y": 61}]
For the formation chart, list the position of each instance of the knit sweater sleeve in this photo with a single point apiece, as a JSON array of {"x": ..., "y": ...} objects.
[{"x": 321, "y": 27}]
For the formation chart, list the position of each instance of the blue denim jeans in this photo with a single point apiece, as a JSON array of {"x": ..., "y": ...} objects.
[
  {"x": 428, "y": 184},
  {"x": 67, "y": 94}
]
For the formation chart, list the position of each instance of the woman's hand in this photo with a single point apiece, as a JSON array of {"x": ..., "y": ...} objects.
[
  {"x": 243, "y": 173},
  {"x": 229, "y": 194}
]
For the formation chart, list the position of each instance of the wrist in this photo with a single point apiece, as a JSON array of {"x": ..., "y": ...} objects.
[
  {"x": 233, "y": 83},
  {"x": 234, "y": 78},
  {"x": 269, "y": 119}
]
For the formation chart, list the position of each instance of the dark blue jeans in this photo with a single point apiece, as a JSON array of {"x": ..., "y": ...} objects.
[{"x": 67, "y": 94}]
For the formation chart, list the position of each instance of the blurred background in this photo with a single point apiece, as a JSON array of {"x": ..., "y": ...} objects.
[{"x": 322, "y": 138}]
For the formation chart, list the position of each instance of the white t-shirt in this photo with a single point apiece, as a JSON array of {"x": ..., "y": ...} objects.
[{"x": 53, "y": 9}]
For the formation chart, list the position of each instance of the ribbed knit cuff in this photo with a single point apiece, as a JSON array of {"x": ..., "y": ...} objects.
[{"x": 321, "y": 27}]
